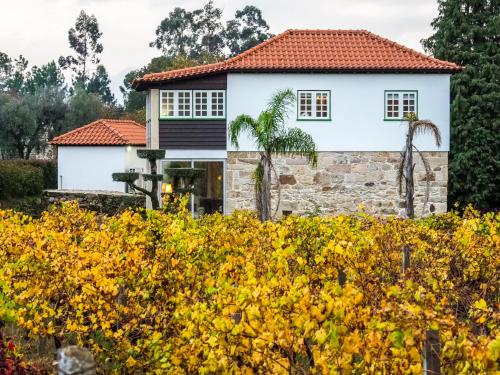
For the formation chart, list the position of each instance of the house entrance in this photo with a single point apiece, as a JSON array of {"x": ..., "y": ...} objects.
[{"x": 204, "y": 179}]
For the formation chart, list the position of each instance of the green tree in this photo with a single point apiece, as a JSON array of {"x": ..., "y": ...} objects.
[
  {"x": 407, "y": 166},
  {"x": 27, "y": 121},
  {"x": 271, "y": 136},
  {"x": 468, "y": 33},
  {"x": 246, "y": 30},
  {"x": 84, "y": 40},
  {"x": 175, "y": 34},
  {"x": 99, "y": 84},
  {"x": 83, "y": 108},
  {"x": 48, "y": 75},
  {"x": 12, "y": 73}
]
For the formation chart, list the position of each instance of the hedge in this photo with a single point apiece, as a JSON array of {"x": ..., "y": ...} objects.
[{"x": 22, "y": 178}]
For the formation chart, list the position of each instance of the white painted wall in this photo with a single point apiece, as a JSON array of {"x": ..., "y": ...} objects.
[
  {"x": 357, "y": 109},
  {"x": 90, "y": 167},
  {"x": 131, "y": 159}
]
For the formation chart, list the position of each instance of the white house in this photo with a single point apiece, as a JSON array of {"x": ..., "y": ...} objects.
[
  {"x": 353, "y": 89},
  {"x": 87, "y": 156}
]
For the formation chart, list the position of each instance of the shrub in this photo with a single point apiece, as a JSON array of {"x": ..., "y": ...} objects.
[
  {"x": 155, "y": 292},
  {"x": 19, "y": 179},
  {"x": 49, "y": 170}
]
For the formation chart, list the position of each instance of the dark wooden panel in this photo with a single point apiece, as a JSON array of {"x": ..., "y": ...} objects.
[
  {"x": 202, "y": 135},
  {"x": 216, "y": 82}
]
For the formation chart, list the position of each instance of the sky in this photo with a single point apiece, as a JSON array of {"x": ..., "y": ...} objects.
[{"x": 38, "y": 29}]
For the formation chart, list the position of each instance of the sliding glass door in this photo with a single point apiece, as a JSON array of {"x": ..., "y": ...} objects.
[{"x": 204, "y": 179}]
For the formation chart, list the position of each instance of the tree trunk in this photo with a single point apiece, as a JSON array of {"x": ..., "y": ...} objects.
[
  {"x": 266, "y": 187},
  {"x": 408, "y": 171},
  {"x": 155, "y": 204}
]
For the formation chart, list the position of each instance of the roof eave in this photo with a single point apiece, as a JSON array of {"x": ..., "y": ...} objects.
[{"x": 142, "y": 85}]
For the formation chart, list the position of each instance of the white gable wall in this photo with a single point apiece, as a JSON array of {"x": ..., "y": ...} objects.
[
  {"x": 90, "y": 167},
  {"x": 357, "y": 107}
]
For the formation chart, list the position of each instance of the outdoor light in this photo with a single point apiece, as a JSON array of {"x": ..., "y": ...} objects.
[
  {"x": 166, "y": 188},
  {"x": 129, "y": 148}
]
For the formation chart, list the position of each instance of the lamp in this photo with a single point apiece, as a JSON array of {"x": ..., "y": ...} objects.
[{"x": 166, "y": 188}]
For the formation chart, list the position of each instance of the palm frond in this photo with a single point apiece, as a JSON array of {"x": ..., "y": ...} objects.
[
  {"x": 400, "y": 175},
  {"x": 295, "y": 141},
  {"x": 280, "y": 105},
  {"x": 242, "y": 124},
  {"x": 428, "y": 174},
  {"x": 426, "y": 127}
]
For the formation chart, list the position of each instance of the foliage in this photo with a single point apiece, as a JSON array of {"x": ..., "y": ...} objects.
[
  {"x": 200, "y": 32},
  {"x": 468, "y": 34},
  {"x": 406, "y": 165},
  {"x": 246, "y": 30},
  {"x": 84, "y": 40},
  {"x": 11, "y": 362},
  {"x": 155, "y": 292},
  {"x": 19, "y": 179},
  {"x": 271, "y": 136}
]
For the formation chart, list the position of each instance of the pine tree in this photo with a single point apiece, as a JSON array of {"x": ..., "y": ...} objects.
[{"x": 467, "y": 32}]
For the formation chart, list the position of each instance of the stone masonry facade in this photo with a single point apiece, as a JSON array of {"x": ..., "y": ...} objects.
[{"x": 342, "y": 182}]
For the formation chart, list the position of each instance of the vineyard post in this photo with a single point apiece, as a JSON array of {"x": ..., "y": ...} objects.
[
  {"x": 406, "y": 258},
  {"x": 432, "y": 350}
]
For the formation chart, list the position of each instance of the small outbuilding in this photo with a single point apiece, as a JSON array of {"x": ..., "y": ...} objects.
[{"x": 87, "y": 156}]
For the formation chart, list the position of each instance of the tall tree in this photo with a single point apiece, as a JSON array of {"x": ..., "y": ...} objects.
[
  {"x": 175, "y": 34},
  {"x": 12, "y": 73},
  {"x": 246, "y": 30},
  {"x": 271, "y": 136},
  {"x": 467, "y": 32},
  {"x": 99, "y": 84},
  {"x": 208, "y": 29},
  {"x": 84, "y": 40},
  {"x": 407, "y": 165}
]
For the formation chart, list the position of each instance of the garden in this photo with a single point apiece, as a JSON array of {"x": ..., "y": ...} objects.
[{"x": 156, "y": 291}]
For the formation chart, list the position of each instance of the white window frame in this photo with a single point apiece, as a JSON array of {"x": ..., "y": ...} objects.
[
  {"x": 314, "y": 108},
  {"x": 192, "y": 103},
  {"x": 401, "y": 105},
  {"x": 210, "y": 97},
  {"x": 175, "y": 114}
]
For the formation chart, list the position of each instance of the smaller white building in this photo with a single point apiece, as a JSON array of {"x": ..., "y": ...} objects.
[{"x": 87, "y": 156}]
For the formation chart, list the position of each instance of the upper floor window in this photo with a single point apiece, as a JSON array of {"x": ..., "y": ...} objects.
[
  {"x": 176, "y": 104},
  {"x": 313, "y": 105},
  {"x": 209, "y": 103},
  {"x": 186, "y": 104},
  {"x": 399, "y": 103}
]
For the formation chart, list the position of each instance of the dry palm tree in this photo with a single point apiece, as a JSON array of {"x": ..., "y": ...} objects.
[
  {"x": 272, "y": 137},
  {"x": 406, "y": 166}
]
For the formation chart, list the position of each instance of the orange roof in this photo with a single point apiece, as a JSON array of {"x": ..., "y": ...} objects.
[
  {"x": 105, "y": 132},
  {"x": 316, "y": 51}
]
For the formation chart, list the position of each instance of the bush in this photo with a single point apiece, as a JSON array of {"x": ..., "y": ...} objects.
[
  {"x": 154, "y": 292},
  {"x": 20, "y": 179}
]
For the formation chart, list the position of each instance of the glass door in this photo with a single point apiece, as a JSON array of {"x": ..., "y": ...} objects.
[{"x": 203, "y": 179}]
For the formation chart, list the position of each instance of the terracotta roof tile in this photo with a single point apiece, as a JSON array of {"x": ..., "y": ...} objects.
[
  {"x": 105, "y": 132},
  {"x": 315, "y": 50}
]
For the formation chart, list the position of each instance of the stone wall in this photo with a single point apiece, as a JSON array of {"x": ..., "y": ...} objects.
[
  {"x": 105, "y": 202},
  {"x": 341, "y": 183}
]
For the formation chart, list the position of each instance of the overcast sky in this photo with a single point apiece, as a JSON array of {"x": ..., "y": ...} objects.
[{"x": 38, "y": 29}]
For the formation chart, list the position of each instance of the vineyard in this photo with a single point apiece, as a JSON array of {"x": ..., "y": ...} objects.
[{"x": 157, "y": 292}]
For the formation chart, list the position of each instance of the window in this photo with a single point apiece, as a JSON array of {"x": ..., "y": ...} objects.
[
  {"x": 192, "y": 104},
  {"x": 399, "y": 103},
  {"x": 313, "y": 105},
  {"x": 175, "y": 104},
  {"x": 209, "y": 104}
]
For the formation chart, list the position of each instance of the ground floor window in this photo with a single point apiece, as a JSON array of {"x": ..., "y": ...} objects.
[{"x": 204, "y": 179}]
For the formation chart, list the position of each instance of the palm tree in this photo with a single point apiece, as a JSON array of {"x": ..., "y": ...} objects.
[
  {"x": 272, "y": 137},
  {"x": 406, "y": 166}
]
